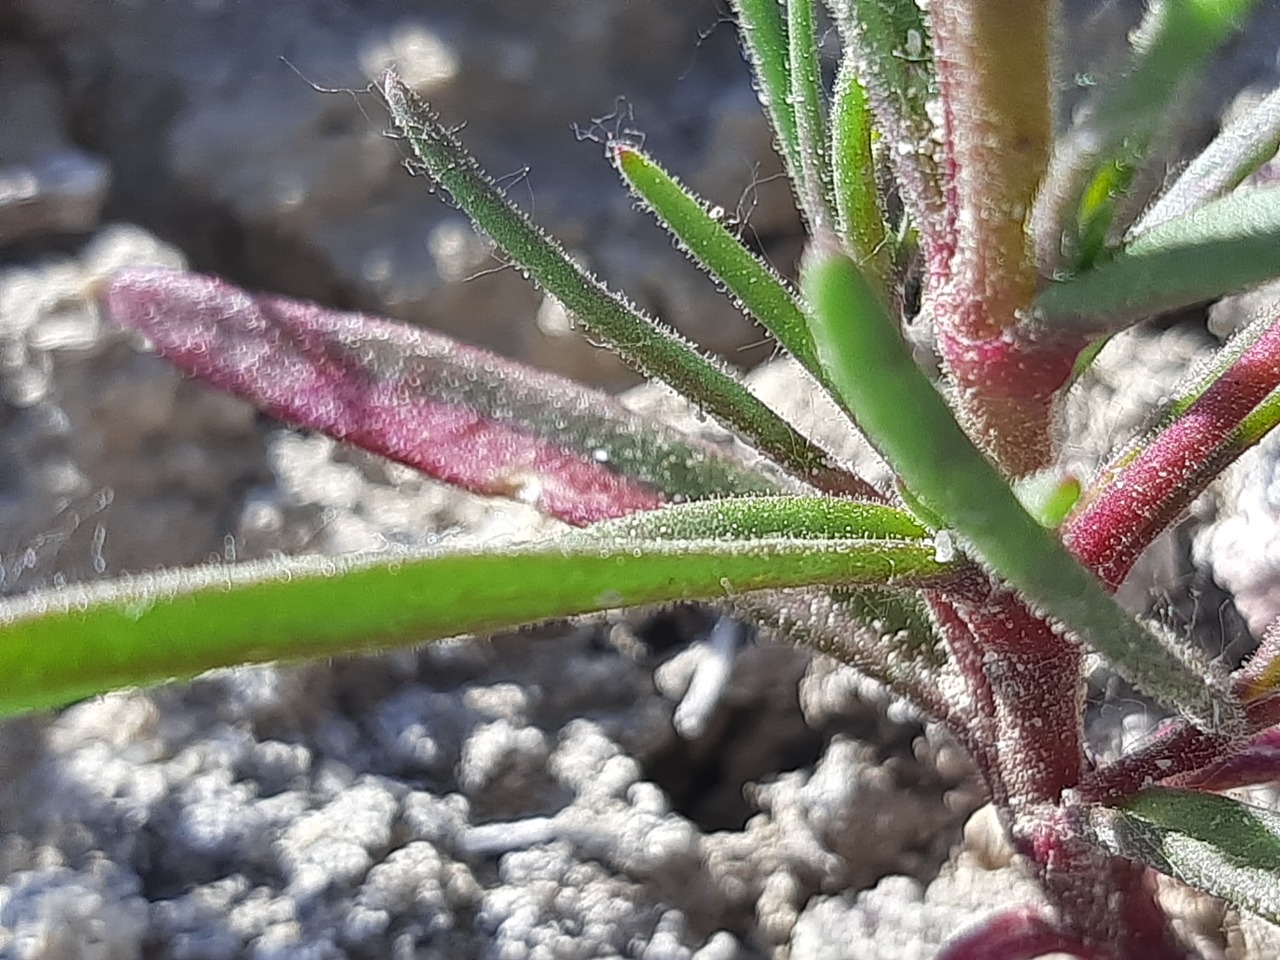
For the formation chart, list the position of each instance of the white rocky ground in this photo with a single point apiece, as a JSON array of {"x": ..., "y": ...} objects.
[{"x": 528, "y": 796}]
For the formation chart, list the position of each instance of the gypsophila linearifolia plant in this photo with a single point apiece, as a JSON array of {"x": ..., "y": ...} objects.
[{"x": 940, "y": 192}]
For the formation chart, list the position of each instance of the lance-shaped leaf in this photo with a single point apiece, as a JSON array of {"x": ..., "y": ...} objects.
[
  {"x": 859, "y": 217},
  {"x": 1122, "y": 119},
  {"x": 1242, "y": 147},
  {"x": 884, "y": 634},
  {"x": 750, "y": 518},
  {"x": 1257, "y": 762},
  {"x": 873, "y": 369},
  {"x": 459, "y": 414},
  {"x": 61, "y": 645},
  {"x": 646, "y": 345},
  {"x": 811, "y": 126},
  {"x": 753, "y": 283},
  {"x": 764, "y": 38},
  {"x": 890, "y": 43},
  {"x": 1228, "y": 245},
  {"x": 1216, "y": 844}
]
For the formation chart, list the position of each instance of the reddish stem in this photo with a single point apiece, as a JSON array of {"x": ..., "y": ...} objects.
[
  {"x": 992, "y": 61},
  {"x": 1108, "y": 902},
  {"x": 1177, "y": 749},
  {"x": 1033, "y": 676},
  {"x": 1134, "y": 504},
  {"x": 1258, "y": 761},
  {"x": 1018, "y": 934}
]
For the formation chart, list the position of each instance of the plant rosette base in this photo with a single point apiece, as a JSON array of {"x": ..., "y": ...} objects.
[{"x": 340, "y": 783}]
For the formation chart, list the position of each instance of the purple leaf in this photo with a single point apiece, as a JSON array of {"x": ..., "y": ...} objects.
[
  {"x": 1257, "y": 762},
  {"x": 458, "y": 414}
]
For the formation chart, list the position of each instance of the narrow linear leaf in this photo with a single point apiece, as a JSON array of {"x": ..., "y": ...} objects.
[
  {"x": 892, "y": 47},
  {"x": 884, "y": 634},
  {"x": 1256, "y": 762},
  {"x": 752, "y": 282},
  {"x": 764, "y": 38},
  {"x": 873, "y": 370},
  {"x": 811, "y": 126},
  {"x": 650, "y": 348},
  {"x": 459, "y": 414},
  {"x": 1213, "y": 843},
  {"x": 1122, "y": 119},
  {"x": 761, "y": 517},
  {"x": 62, "y": 645},
  {"x": 859, "y": 219},
  {"x": 1224, "y": 246},
  {"x": 1242, "y": 147}
]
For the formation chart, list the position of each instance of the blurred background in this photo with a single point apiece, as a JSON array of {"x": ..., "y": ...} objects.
[
  {"x": 205, "y": 122},
  {"x": 511, "y": 799}
]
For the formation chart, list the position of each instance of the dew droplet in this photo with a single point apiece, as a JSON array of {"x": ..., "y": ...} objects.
[{"x": 944, "y": 546}]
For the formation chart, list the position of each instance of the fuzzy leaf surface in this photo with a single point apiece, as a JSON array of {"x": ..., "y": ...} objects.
[
  {"x": 1245, "y": 144},
  {"x": 1228, "y": 245},
  {"x": 764, "y": 38},
  {"x": 807, "y": 101},
  {"x": 753, "y": 283},
  {"x": 61, "y": 645},
  {"x": 800, "y": 517},
  {"x": 1214, "y": 843},
  {"x": 647, "y": 346},
  {"x": 458, "y": 414},
  {"x": 891, "y": 44},
  {"x": 859, "y": 217}
]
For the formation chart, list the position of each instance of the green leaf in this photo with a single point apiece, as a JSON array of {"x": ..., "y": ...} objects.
[
  {"x": 811, "y": 126},
  {"x": 764, "y": 37},
  {"x": 859, "y": 219},
  {"x": 1224, "y": 246},
  {"x": 891, "y": 45},
  {"x": 747, "y": 518},
  {"x": 752, "y": 282},
  {"x": 1264, "y": 418},
  {"x": 1242, "y": 147},
  {"x": 652, "y": 349},
  {"x": 1048, "y": 495},
  {"x": 61, "y": 645},
  {"x": 872, "y": 368},
  {"x": 1213, "y": 843},
  {"x": 1122, "y": 120}
]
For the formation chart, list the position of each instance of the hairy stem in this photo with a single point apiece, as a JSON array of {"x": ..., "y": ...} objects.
[
  {"x": 993, "y": 70},
  {"x": 1137, "y": 499}
]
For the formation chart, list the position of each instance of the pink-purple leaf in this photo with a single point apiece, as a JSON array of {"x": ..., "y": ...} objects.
[
  {"x": 458, "y": 414},
  {"x": 1257, "y": 762}
]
